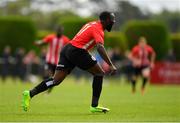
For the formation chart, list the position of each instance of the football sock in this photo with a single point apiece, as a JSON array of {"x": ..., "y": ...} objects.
[
  {"x": 97, "y": 87},
  {"x": 44, "y": 85},
  {"x": 144, "y": 82},
  {"x": 133, "y": 85}
]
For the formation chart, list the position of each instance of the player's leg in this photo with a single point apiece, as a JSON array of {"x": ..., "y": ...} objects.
[
  {"x": 133, "y": 83},
  {"x": 85, "y": 61},
  {"x": 145, "y": 75},
  {"x": 98, "y": 74},
  {"x": 43, "y": 86},
  {"x": 134, "y": 75},
  {"x": 48, "y": 83},
  {"x": 63, "y": 68},
  {"x": 48, "y": 72},
  {"x": 51, "y": 72}
]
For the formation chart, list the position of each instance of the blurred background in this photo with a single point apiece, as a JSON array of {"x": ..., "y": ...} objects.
[{"x": 22, "y": 22}]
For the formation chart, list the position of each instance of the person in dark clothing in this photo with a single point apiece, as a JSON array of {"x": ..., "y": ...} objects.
[
  {"x": 6, "y": 56},
  {"x": 19, "y": 69}
]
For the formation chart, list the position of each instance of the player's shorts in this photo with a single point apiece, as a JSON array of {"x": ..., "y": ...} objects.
[
  {"x": 51, "y": 67},
  {"x": 72, "y": 56},
  {"x": 138, "y": 70}
]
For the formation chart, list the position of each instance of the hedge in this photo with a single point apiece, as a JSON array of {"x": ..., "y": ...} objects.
[
  {"x": 43, "y": 33},
  {"x": 16, "y": 32},
  {"x": 175, "y": 39},
  {"x": 155, "y": 32},
  {"x": 116, "y": 39}
]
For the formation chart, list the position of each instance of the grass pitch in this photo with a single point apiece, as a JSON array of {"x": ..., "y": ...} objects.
[{"x": 70, "y": 102}]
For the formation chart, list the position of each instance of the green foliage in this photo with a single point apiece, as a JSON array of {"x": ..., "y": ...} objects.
[
  {"x": 115, "y": 39},
  {"x": 49, "y": 21},
  {"x": 155, "y": 32},
  {"x": 16, "y": 32},
  {"x": 171, "y": 19},
  {"x": 175, "y": 38},
  {"x": 73, "y": 24},
  {"x": 41, "y": 34}
]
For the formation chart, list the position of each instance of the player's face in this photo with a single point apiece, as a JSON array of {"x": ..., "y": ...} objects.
[
  {"x": 142, "y": 43},
  {"x": 59, "y": 31},
  {"x": 110, "y": 21}
]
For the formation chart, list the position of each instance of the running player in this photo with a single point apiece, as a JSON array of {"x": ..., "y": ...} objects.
[
  {"x": 142, "y": 57},
  {"x": 55, "y": 43},
  {"x": 76, "y": 54}
]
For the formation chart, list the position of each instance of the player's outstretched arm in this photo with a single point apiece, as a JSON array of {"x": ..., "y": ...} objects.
[
  {"x": 39, "y": 43},
  {"x": 101, "y": 50}
]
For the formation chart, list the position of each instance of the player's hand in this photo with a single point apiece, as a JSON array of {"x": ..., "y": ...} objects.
[
  {"x": 38, "y": 43},
  {"x": 113, "y": 70}
]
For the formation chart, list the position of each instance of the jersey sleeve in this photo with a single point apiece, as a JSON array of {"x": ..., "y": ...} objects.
[
  {"x": 134, "y": 52},
  {"x": 48, "y": 38},
  {"x": 66, "y": 40},
  {"x": 98, "y": 36}
]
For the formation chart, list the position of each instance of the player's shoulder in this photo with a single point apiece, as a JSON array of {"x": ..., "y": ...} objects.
[
  {"x": 52, "y": 35},
  {"x": 136, "y": 47},
  {"x": 94, "y": 24},
  {"x": 65, "y": 37}
]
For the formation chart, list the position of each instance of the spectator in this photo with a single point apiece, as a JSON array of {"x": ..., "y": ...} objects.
[
  {"x": 117, "y": 58},
  {"x": 19, "y": 67},
  {"x": 6, "y": 57}
]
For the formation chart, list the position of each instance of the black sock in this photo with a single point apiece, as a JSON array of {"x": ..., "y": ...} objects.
[
  {"x": 97, "y": 87},
  {"x": 144, "y": 82},
  {"x": 133, "y": 84},
  {"x": 44, "y": 85}
]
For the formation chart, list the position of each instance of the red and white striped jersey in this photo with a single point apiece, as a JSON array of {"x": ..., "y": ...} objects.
[
  {"x": 89, "y": 35},
  {"x": 54, "y": 48},
  {"x": 142, "y": 54}
]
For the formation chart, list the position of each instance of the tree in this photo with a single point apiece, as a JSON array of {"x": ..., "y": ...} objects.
[
  {"x": 126, "y": 11},
  {"x": 171, "y": 19}
]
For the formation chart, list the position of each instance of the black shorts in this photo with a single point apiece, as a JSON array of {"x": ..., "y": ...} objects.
[
  {"x": 50, "y": 67},
  {"x": 138, "y": 70},
  {"x": 72, "y": 56}
]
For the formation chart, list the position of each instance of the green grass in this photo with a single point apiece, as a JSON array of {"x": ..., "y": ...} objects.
[{"x": 70, "y": 102}]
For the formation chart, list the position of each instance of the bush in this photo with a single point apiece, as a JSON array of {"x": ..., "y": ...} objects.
[
  {"x": 16, "y": 32},
  {"x": 175, "y": 38},
  {"x": 155, "y": 32},
  {"x": 43, "y": 33},
  {"x": 73, "y": 24},
  {"x": 115, "y": 39}
]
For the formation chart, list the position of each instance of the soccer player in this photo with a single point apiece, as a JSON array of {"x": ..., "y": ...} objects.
[
  {"x": 142, "y": 57},
  {"x": 55, "y": 43},
  {"x": 76, "y": 54}
]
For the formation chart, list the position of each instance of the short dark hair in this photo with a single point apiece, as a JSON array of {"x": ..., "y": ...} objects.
[{"x": 104, "y": 15}]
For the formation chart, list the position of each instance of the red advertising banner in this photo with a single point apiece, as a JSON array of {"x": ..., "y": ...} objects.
[{"x": 165, "y": 73}]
